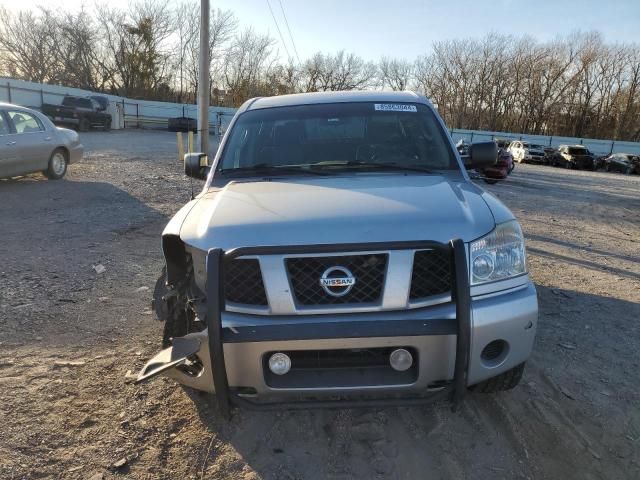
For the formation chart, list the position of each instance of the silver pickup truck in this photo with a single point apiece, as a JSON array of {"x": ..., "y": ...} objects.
[{"x": 339, "y": 254}]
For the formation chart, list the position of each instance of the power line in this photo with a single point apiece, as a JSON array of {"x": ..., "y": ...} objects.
[
  {"x": 278, "y": 28},
  {"x": 286, "y": 22}
]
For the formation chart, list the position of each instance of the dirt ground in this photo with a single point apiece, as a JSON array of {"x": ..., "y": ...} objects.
[{"x": 70, "y": 335}]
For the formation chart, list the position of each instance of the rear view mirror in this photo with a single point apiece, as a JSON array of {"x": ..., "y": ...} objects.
[
  {"x": 482, "y": 155},
  {"x": 196, "y": 165}
]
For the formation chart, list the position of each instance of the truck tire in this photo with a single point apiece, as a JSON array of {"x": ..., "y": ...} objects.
[
  {"x": 84, "y": 125},
  {"x": 57, "y": 166},
  {"x": 504, "y": 381}
]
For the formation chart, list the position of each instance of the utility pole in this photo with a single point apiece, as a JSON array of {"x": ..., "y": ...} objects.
[{"x": 203, "y": 79}]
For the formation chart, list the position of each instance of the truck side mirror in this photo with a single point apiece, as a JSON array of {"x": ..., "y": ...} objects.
[
  {"x": 196, "y": 165},
  {"x": 481, "y": 155}
]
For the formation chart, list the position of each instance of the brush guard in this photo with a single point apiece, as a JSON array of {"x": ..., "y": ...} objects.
[{"x": 215, "y": 263}]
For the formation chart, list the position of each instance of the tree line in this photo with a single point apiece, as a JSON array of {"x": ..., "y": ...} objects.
[{"x": 577, "y": 85}]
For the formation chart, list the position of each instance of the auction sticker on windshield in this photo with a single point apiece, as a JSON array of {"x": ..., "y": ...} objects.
[{"x": 394, "y": 107}]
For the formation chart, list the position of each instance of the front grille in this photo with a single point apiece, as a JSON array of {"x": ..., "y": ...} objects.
[
  {"x": 368, "y": 270},
  {"x": 243, "y": 282},
  {"x": 431, "y": 274}
]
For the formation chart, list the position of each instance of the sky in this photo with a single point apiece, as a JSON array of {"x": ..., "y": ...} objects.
[{"x": 408, "y": 28}]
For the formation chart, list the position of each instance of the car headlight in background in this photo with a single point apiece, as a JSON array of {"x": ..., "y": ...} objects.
[{"x": 498, "y": 255}]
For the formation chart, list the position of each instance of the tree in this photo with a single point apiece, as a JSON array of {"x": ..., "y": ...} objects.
[
  {"x": 136, "y": 42},
  {"x": 575, "y": 85},
  {"x": 27, "y": 44},
  {"x": 247, "y": 58},
  {"x": 342, "y": 71},
  {"x": 395, "y": 73},
  {"x": 222, "y": 27}
]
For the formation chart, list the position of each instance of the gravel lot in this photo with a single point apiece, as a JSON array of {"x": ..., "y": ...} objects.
[{"x": 69, "y": 335}]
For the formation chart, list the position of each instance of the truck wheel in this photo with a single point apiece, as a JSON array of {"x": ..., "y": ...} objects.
[
  {"x": 84, "y": 125},
  {"x": 57, "y": 165},
  {"x": 504, "y": 381}
]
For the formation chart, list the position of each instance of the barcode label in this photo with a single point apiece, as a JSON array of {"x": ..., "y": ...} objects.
[{"x": 394, "y": 107}]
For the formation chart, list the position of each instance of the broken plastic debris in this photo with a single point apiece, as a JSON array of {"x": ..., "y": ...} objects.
[{"x": 99, "y": 268}]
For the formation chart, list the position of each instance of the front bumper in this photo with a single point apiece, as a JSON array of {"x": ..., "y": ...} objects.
[
  {"x": 534, "y": 158},
  {"x": 510, "y": 316},
  {"x": 75, "y": 153},
  {"x": 584, "y": 163},
  {"x": 447, "y": 338}
]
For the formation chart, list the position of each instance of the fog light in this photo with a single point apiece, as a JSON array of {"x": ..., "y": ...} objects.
[
  {"x": 279, "y": 363},
  {"x": 400, "y": 360}
]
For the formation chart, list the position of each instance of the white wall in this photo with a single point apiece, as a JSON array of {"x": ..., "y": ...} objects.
[{"x": 146, "y": 113}]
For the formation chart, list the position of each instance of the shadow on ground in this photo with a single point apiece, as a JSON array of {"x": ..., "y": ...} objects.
[
  {"x": 68, "y": 212},
  {"x": 538, "y": 424}
]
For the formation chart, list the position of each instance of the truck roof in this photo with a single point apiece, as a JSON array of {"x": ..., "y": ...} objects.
[{"x": 332, "y": 97}]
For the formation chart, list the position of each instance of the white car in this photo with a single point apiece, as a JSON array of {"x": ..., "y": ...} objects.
[
  {"x": 30, "y": 143},
  {"x": 526, "y": 152}
]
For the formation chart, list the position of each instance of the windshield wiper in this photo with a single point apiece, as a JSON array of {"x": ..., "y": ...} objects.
[
  {"x": 265, "y": 168},
  {"x": 390, "y": 166}
]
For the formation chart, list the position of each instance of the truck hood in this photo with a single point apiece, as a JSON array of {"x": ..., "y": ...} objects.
[{"x": 350, "y": 209}]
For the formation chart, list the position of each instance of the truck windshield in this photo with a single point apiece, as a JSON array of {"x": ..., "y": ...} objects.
[
  {"x": 76, "y": 102},
  {"x": 338, "y": 135}
]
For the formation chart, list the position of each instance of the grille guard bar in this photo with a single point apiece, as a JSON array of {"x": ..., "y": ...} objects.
[{"x": 216, "y": 261}]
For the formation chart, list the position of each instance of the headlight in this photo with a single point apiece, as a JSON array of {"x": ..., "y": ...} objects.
[{"x": 498, "y": 255}]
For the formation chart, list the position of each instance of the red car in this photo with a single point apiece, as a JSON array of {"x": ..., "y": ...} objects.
[{"x": 502, "y": 168}]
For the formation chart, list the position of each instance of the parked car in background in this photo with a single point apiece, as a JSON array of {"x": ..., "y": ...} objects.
[
  {"x": 462, "y": 147},
  {"x": 29, "y": 143},
  {"x": 600, "y": 161},
  {"x": 81, "y": 112},
  {"x": 503, "y": 143},
  {"x": 102, "y": 100},
  {"x": 623, "y": 163},
  {"x": 575, "y": 156},
  {"x": 550, "y": 153},
  {"x": 502, "y": 168},
  {"x": 526, "y": 152}
]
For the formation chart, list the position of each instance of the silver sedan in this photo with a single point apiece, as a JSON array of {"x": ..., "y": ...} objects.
[{"x": 29, "y": 143}]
